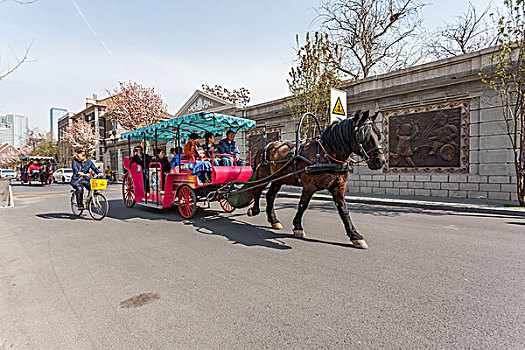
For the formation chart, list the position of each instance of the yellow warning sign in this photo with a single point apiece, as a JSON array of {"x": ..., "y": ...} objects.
[{"x": 338, "y": 108}]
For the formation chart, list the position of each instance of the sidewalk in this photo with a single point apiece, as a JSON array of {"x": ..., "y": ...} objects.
[{"x": 432, "y": 203}]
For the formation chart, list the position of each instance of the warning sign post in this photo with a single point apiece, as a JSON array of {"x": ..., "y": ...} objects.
[{"x": 337, "y": 105}]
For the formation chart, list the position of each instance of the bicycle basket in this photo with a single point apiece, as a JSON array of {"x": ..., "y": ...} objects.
[{"x": 98, "y": 184}]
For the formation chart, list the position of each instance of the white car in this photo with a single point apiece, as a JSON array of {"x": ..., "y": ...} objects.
[
  {"x": 63, "y": 175},
  {"x": 7, "y": 173}
]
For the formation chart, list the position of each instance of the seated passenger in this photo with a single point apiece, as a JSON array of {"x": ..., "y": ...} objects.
[
  {"x": 229, "y": 146},
  {"x": 209, "y": 146},
  {"x": 165, "y": 168},
  {"x": 202, "y": 168},
  {"x": 175, "y": 160}
]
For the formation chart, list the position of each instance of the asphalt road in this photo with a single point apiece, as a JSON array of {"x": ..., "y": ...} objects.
[{"x": 430, "y": 280}]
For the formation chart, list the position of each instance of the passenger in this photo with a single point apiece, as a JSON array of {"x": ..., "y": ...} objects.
[
  {"x": 172, "y": 154},
  {"x": 229, "y": 146},
  {"x": 202, "y": 167},
  {"x": 139, "y": 157},
  {"x": 210, "y": 147},
  {"x": 175, "y": 161},
  {"x": 143, "y": 160},
  {"x": 160, "y": 157}
]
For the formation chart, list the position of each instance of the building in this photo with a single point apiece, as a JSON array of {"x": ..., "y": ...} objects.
[
  {"x": 54, "y": 115},
  {"x": 93, "y": 114},
  {"x": 13, "y": 130},
  {"x": 442, "y": 112}
]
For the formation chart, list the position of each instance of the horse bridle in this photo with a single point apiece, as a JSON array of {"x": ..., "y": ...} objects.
[{"x": 360, "y": 140}]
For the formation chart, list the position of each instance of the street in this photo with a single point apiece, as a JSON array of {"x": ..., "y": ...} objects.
[{"x": 146, "y": 279}]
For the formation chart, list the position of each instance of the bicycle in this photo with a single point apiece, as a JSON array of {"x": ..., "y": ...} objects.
[{"x": 94, "y": 201}]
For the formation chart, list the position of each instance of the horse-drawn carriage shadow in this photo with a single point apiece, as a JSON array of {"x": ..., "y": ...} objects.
[{"x": 241, "y": 232}]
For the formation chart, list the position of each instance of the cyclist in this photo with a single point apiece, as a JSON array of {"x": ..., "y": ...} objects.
[{"x": 81, "y": 167}]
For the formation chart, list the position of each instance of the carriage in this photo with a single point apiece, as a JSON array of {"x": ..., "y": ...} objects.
[
  {"x": 41, "y": 173},
  {"x": 146, "y": 185}
]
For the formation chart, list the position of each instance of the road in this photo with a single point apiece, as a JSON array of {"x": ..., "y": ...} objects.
[{"x": 145, "y": 279}]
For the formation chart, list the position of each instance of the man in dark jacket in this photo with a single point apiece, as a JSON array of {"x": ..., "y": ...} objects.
[
  {"x": 229, "y": 146},
  {"x": 81, "y": 167}
]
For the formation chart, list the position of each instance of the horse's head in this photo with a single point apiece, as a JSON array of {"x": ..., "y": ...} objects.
[{"x": 367, "y": 138}]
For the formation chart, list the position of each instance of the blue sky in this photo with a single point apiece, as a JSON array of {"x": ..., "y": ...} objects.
[{"x": 174, "y": 46}]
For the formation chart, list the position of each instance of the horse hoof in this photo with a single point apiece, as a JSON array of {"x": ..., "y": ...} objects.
[
  {"x": 277, "y": 226},
  {"x": 360, "y": 243},
  {"x": 250, "y": 212},
  {"x": 298, "y": 233}
]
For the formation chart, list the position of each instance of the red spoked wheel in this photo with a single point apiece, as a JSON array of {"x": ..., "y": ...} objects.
[
  {"x": 128, "y": 193},
  {"x": 226, "y": 206},
  {"x": 187, "y": 201}
]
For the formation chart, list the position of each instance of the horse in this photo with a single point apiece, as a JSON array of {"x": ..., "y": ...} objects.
[{"x": 358, "y": 135}]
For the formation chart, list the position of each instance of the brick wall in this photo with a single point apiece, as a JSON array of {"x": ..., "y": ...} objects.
[{"x": 483, "y": 187}]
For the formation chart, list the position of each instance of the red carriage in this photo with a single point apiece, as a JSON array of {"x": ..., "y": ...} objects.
[{"x": 147, "y": 185}]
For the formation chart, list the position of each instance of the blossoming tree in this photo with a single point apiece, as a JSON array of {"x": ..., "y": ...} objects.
[
  {"x": 81, "y": 134},
  {"x": 134, "y": 106}
]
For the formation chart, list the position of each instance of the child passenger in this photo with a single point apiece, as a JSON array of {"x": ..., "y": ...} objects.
[{"x": 202, "y": 167}]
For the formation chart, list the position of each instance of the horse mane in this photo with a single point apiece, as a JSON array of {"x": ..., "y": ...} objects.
[{"x": 339, "y": 136}]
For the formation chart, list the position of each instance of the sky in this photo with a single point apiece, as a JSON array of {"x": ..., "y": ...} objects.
[{"x": 81, "y": 47}]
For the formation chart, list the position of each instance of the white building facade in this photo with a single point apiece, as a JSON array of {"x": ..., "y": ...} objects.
[{"x": 13, "y": 129}]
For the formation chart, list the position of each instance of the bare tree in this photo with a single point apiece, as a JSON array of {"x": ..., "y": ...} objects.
[
  {"x": 469, "y": 32},
  {"x": 19, "y": 60},
  {"x": 505, "y": 74},
  {"x": 241, "y": 96},
  {"x": 376, "y": 36},
  {"x": 315, "y": 73}
]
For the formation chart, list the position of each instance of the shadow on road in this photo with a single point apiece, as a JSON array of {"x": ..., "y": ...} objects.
[
  {"x": 61, "y": 216},
  {"x": 377, "y": 210}
]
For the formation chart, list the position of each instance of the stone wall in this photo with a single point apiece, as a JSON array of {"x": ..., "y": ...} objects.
[{"x": 489, "y": 174}]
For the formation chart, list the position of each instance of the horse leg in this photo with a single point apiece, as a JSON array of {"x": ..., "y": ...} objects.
[
  {"x": 338, "y": 193},
  {"x": 306, "y": 195},
  {"x": 255, "y": 209},
  {"x": 270, "y": 199}
]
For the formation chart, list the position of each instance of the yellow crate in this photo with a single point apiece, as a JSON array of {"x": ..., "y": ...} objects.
[{"x": 98, "y": 184}]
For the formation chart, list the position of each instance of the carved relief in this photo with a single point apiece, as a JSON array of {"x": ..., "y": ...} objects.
[
  {"x": 200, "y": 105},
  {"x": 256, "y": 140},
  {"x": 427, "y": 139}
]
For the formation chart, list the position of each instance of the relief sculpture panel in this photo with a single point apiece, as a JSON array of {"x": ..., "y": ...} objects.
[{"x": 427, "y": 139}]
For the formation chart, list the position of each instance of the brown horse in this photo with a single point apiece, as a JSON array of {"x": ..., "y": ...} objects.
[{"x": 338, "y": 141}]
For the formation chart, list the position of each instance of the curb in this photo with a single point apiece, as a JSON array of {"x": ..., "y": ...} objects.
[{"x": 457, "y": 207}]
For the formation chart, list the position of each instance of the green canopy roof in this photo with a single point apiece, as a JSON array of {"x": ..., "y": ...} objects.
[{"x": 198, "y": 123}]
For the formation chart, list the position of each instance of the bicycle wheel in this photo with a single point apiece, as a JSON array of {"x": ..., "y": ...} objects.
[
  {"x": 74, "y": 208},
  {"x": 98, "y": 206}
]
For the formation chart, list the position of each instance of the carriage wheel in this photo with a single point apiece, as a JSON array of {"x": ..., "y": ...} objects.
[
  {"x": 226, "y": 206},
  {"x": 187, "y": 201},
  {"x": 128, "y": 193}
]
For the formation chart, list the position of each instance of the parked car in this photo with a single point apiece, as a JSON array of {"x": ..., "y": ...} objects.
[
  {"x": 8, "y": 173},
  {"x": 63, "y": 175}
]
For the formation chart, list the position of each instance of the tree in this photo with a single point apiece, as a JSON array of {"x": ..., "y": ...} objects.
[
  {"x": 134, "y": 106},
  {"x": 312, "y": 78},
  {"x": 469, "y": 32},
  {"x": 376, "y": 36},
  {"x": 506, "y": 76},
  {"x": 48, "y": 148},
  {"x": 80, "y": 134},
  {"x": 19, "y": 59},
  {"x": 35, "y": 137},
  {"x": 241, "y": 96}
]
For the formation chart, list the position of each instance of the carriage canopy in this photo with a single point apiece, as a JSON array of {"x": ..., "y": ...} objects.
[
  {"x": 37, "y": 158},
  {"x": 182, "y": 127}
]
